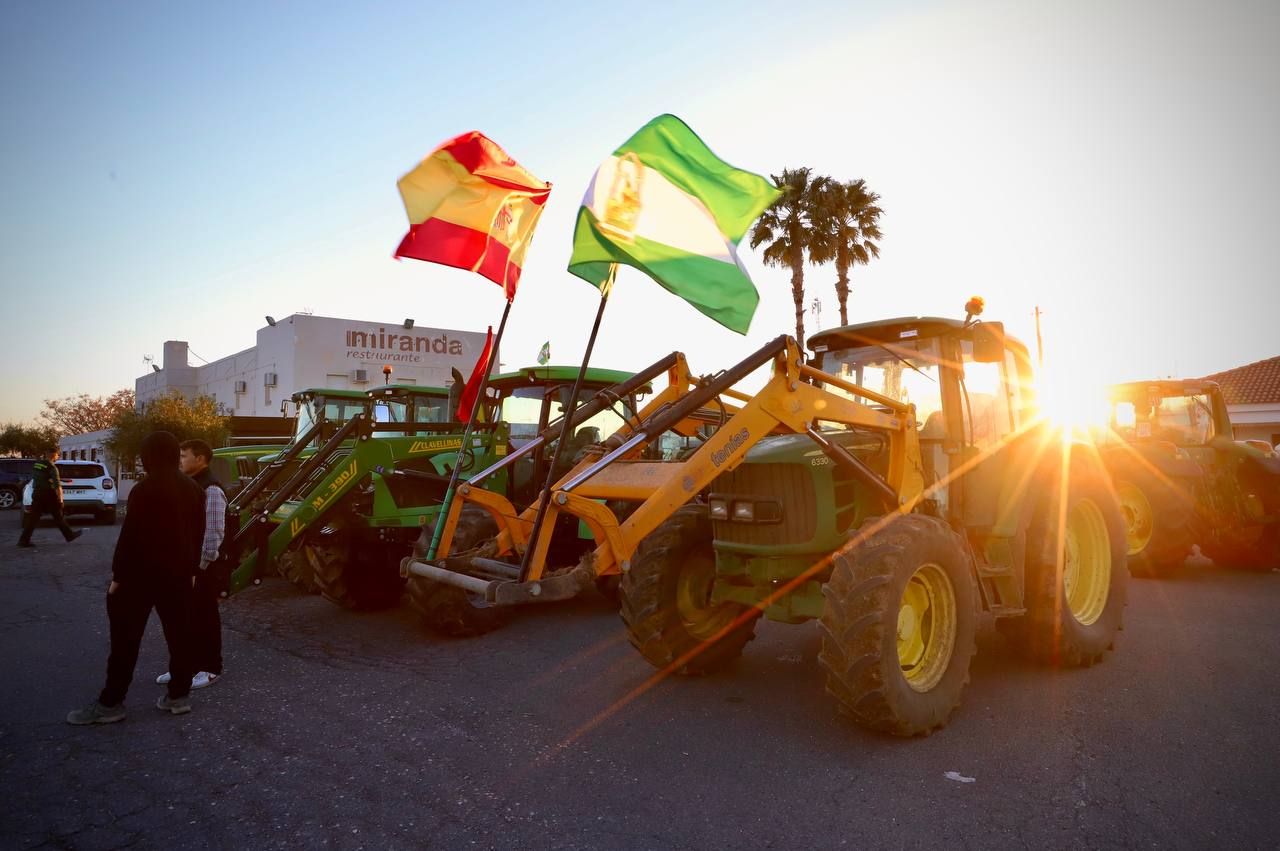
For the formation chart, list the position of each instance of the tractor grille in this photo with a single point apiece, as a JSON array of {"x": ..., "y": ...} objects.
[{"x": 790, "y": 484}]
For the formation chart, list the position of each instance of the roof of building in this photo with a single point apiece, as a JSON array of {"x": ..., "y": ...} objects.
[{"x": 1256, "y": 383}]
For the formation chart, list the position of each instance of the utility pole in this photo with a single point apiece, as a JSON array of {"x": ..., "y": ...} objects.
[{"x": 1039, "y": 340}]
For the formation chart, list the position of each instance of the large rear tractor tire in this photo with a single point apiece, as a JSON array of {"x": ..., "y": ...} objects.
[
  {"x": 666, "y": 599},
  {"x": 1077, "y": 578},
  {"x": 365, "y": 584},
  {"x": 1159, "y": 525},
  {"x": 1256, "y": 549},
  {"x": 447, "y": 609},
  {"x": 898, "y": 627}
]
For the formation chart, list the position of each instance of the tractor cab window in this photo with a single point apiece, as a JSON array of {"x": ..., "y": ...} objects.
[
  {"x": 522, "y": 410},
  {"x": 597, "y": 428},
  {"x": 906, "y": 371},
  {"x": 990, "y": 400},
  {"x": 1183, "y": 420},
  {"x": 305, "y": 418},
  {"x": 428, "y": 410},
  {"x": 390, "y": 411}
]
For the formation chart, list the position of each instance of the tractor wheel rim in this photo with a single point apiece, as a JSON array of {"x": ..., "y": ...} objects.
[
  {"x": 1086, "y": 567},
  {"x": 1139, "y": 522},
  {"x": 926, "y": 627},
  {"x": 701, "y": 619}
]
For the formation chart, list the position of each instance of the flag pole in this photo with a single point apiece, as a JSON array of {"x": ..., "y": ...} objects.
[
  {"x": 566, "y": 428},
  {"x": 466, "y": 437}
]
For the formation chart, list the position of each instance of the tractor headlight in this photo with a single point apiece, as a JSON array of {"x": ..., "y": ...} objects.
[
  {"x": 719, "y": 509},
  {"x": 744, "y": 511}
]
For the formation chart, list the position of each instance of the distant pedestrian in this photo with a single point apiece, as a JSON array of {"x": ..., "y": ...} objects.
[
  {"x": 211, "y": 579},
  {"x": 46, "y": 498},
  {"x": 154, "y": 567}
]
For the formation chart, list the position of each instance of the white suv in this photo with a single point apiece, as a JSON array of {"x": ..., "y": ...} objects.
[{"x": 86, "y": 489}]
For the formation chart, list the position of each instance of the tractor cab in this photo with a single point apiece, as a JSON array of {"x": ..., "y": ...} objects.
[
  {"x": 236, "y": 466},
  {"x": 331, "y": 408},
  {"x": 532, "y": 398},
  {"x": 407, "y": 404},
  {"x": 971, "y": 386},
  {"x": 1190, "y": 416}
]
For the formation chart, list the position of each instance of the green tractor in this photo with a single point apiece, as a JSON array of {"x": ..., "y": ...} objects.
[
  {"x": 337, "y": 518},
  {"x": 237, "y": 466},
  {"x": 894, "y": 489},
  {"x": 1012, "y": 521},
  {"x": 1183, "y": 479},
  {"x": 333, "y": 510}
]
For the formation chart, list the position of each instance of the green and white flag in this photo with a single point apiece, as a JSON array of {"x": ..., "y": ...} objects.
[
  {"x": 544, "y": 354},
  {"x": 665, "y": 204}
]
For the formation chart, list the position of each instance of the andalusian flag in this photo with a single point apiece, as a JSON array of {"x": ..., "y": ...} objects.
[
  {"x": 472, "y": 206},
  {"x": 544, "y": 354},
  {"x": 665, "y": 204}
]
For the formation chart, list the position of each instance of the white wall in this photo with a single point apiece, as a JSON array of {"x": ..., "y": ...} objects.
[{"x": 316, "y": 351}]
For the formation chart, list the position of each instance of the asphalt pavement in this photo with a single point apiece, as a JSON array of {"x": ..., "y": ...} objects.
[{"x": 336, "y": 729}]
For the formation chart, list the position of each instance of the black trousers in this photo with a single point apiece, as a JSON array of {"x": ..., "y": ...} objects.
[
  {"x": 206, "y": 622},
  {"x": 40, "y": 506},
  {"x": 128, "y": 610}
]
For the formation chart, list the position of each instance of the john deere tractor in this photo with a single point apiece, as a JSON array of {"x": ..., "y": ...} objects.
[
  {"x": 236, "y": 466},
  {"x": 892, "y": 490},
  {"x": 338, "y": 518},
  {"x": 1183, "y": 479},
  {"x": 332, "y": 509}
]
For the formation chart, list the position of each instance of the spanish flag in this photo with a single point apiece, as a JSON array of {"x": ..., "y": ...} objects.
[{"x": 473, "y": 207}]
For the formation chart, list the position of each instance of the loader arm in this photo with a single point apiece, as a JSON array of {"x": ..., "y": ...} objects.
[{"x": 612, "y": 470}]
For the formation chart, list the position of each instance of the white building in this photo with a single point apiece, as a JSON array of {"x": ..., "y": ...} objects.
[
  {"x": 302, "y": 351},
  {"x": 90, "y": 446}
]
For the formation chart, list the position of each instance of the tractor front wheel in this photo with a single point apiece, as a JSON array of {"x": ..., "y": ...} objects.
[
  {"x": 898, "y": 626},
  {"x": 372, "y": 582},
  {"x": 294, "y": 565},
  {"x": 1077, "y": 579},
  {"x": 447, "y": 609},
  {"x": 666, "y": 599}
]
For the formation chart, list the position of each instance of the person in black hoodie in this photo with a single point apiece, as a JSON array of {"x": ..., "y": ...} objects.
[{"x": 154, "y": 567}]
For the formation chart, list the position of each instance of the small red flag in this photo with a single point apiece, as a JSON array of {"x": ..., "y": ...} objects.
[{"x": 476, "y": 381}]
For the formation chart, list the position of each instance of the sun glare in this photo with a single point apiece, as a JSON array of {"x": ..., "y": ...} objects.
[{"x": 1074, "y": 403}]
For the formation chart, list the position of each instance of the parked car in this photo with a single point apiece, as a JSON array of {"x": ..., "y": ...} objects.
[
  {"x": 86, "y": 489},
  {"x": 14, "y": 475}
]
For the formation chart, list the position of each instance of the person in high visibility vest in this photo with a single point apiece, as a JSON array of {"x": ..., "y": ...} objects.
[{"x": 46, "y": 498}]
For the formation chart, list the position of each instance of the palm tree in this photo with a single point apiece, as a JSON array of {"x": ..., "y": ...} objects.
[
  {"x": 787, "y": 226},
  {"x": 847, "y": 231}
]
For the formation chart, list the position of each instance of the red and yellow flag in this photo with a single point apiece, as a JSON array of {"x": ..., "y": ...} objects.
[{"x": 473, "y": 207}]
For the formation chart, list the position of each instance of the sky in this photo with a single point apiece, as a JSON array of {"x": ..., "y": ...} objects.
[{"x": 177, "y": 171}]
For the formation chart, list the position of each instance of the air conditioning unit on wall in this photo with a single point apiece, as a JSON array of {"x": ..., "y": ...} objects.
[
  {"x": 360, "y": 376},
  {"x": 242, "y": 386},
  {"x": 269, "y": 379}
]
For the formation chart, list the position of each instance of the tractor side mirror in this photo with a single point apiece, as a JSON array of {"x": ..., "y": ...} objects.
[{"x": 988, "y": 342}]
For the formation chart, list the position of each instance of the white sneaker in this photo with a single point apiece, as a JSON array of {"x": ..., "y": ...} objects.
[
  {"x": 163, "y": 679},
  {"x": 203, "y": 678}
]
